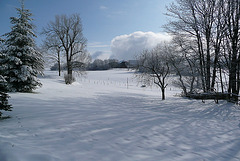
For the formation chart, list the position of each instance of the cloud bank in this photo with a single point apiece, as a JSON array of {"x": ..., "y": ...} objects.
[
  {"x": 126, "y": 47},
  {"x": 99, "y": 50},
  {"x": 100, "y": 55}
]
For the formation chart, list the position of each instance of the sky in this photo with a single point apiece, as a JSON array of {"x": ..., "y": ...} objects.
[{"x": 114, "y": 28}]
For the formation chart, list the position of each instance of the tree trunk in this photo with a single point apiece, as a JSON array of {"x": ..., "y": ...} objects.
[
  {"x": 201, "y": 62},
  {"x": 215, "y": 65},
  {"x": 69, "y": 68},
  {"x": 59, "y": 64},
  {"x": 208, "y": 65},
  {"x": 232, "y": 19},
  {"x": 233, "y": 71},
  {"x": 221, "y": 79},
  {"x": 163, "y": 93},
  {"x": 238, "y": 78},
  {"x": 69, "y": 63},
  {"x": 180, "y": 78}
]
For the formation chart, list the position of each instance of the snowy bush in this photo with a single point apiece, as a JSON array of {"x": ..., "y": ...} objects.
[{"x": 69, "y": 78}]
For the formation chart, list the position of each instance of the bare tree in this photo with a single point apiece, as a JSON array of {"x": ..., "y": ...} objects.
[
  {"x": 181, "y": 57},
  {"x": 185, "y": 23},
  {"x": 81, "y": 60},
  {"x": 53, "y": 48},
  {"x": 232, "y": 20},
  {"x": 214, "y": 28},
  {"x": 202, "y": 21},
  {"x": 68, "y": 31},
  {"x": 153, "y": 67}
]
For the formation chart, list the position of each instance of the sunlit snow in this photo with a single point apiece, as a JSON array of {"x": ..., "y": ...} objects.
[{"x": 107, "y": 116}]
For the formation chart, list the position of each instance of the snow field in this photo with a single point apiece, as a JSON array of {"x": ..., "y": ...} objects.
[{"x": 101, "y": 118}]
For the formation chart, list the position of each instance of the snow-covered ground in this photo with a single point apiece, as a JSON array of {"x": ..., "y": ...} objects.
[{"x": 107, "y": 116}]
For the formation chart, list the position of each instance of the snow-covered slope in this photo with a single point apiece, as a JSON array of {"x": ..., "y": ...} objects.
[{"x": 107, "y": 116}]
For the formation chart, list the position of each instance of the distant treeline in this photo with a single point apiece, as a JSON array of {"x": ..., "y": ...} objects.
[{"x": 98, "y": 64}]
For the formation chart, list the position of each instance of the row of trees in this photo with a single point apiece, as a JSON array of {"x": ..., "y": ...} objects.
[
  {"x": 205, "y": 48},
  {"x": 208, "y": 32},
  {"x": 97, "y": 64}
]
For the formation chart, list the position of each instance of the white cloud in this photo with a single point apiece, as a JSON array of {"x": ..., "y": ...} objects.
[
  {"x": 101, "y": 55},
  {"x": 103, "y": 7},
  {"x": 126, "y": 47},
  {"x": 99, "y": 50}
]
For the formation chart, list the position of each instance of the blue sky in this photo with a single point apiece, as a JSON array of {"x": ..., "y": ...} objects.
[{"x": 103, "y": 20}]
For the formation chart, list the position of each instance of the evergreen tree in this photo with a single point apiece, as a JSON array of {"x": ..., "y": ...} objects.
[
  {"x": 22, "y": 63},
  {"x": 3, "y": 87},
  {"x": 4, "y": 96}
]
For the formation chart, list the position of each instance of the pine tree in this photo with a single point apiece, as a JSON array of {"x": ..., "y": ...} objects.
[
  {"x": 4, "y": 96},
  {"x": 3, "y": 86},
  {"x": 22, "y": 63}
]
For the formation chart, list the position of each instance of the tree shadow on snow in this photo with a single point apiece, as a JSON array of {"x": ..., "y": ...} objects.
[{"x": 223, "y": 110}]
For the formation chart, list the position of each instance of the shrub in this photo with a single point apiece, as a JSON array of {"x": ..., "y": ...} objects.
[{"x": 69, "y": 78}]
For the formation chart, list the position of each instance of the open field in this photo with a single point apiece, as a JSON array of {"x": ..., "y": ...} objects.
[{"x": 107, "y": 116}]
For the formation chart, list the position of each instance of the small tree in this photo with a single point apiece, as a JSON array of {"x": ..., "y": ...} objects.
[
  {"x": 23, "y": 62},
  {"x": 52, "y": 48},
  {"x": 153, "y": 67},
  {"x": 182, "y": 59}
]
